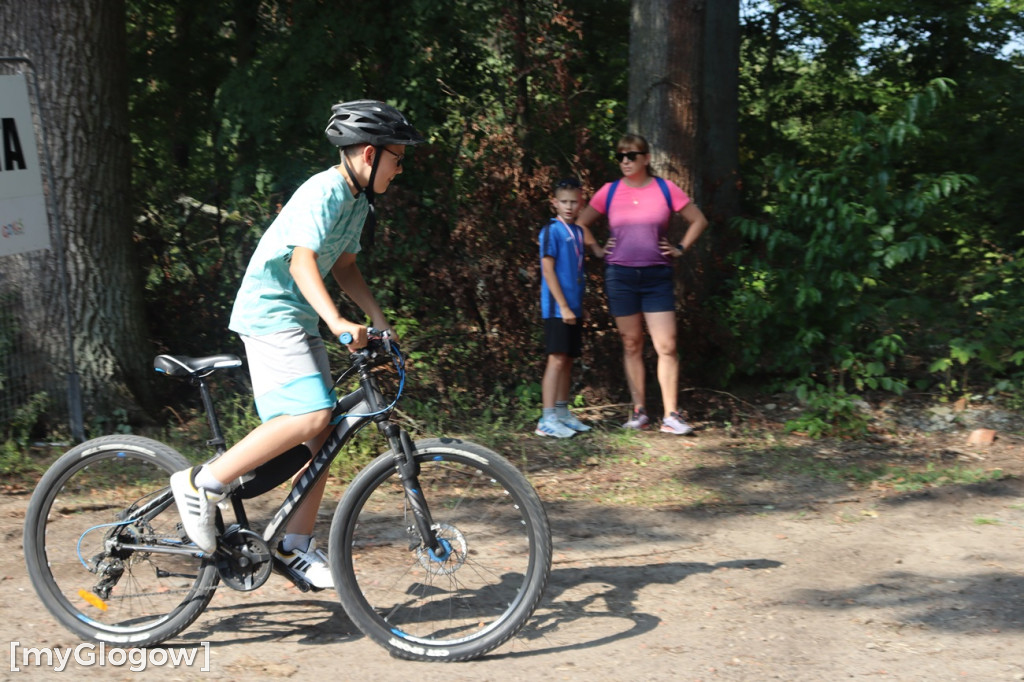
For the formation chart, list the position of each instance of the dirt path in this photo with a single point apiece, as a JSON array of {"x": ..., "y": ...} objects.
[{"x": 785, "y": 583}]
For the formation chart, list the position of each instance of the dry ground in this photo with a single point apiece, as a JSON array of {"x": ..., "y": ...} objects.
[{"x": 741, "y": 553}]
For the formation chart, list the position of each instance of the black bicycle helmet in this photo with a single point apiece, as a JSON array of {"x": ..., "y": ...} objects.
[
  {"x": 371, "y": 122},
  {"x": 377, "y": 124}
]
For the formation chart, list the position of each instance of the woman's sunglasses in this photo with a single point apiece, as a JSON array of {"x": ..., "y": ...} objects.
[{"x": 619, "y": 156}]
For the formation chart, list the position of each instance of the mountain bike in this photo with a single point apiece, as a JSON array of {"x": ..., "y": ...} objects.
[{"x": 440, "y": 549}]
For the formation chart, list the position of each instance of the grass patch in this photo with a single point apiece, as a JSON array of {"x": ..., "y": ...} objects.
[
  {"x": 905, "y": 480},
  {"x": 723, "y": 466},
  {"x": 874, "y": 470}
]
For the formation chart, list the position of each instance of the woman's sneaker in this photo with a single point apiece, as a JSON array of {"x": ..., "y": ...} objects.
[
  {"x": 197, "y": 508},
  {"x": 553, "y": 428},
  {"x": 639, "y": 420},
  {"x": 309, "y": 566},
  {"x": 573, "y": 423},
  {"x": 674, "y": 424}
]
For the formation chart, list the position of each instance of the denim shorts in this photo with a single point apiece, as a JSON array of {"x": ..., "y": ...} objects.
[{"x": 639, "y": 290}]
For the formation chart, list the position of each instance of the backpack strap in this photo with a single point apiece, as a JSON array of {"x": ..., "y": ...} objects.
[
  {"x": 664, "y": 190},
  {"x": 611, "y": 193},
  {"x": 615, "y": 185}
]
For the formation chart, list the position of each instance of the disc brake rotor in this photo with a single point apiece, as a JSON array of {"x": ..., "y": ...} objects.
[{"x": 449, "y": 557}]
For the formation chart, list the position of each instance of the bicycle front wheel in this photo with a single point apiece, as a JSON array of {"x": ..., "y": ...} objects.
[
  {"x": 494, "y": 565},
  {"x": 103, "y": 546}
]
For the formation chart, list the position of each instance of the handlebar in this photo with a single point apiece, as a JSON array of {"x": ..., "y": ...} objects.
[
  {"x": 371, "y": 335},
  {"x": 380, "y": 347},
  {"x": 380, "y": 350}
]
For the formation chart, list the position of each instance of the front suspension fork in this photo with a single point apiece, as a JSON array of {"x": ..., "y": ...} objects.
[{"x": 409, "y": 470}]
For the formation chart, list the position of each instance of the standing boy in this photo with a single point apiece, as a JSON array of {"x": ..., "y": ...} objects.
[
  {"x": 561, "y": 302},
  {"x": 277, "y": 312}
]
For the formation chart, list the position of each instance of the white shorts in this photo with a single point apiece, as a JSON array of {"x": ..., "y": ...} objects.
[{"x": 290, "y": 373}]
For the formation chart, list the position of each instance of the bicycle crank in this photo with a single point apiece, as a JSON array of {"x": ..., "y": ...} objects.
[{"x": 243, "y": 559}]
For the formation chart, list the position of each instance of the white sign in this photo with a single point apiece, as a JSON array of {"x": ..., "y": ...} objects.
[{"x": 23, "y": 222}]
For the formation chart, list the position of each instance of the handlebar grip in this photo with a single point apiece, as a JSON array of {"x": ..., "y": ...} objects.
[{"x": 345, "y": 338}]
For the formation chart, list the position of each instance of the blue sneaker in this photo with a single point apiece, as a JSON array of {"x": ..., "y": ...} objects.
[
  {"x": 573, "y": 423},
  {"x": 554, "y": 429}
]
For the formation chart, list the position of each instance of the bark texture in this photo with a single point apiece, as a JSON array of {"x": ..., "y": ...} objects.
[{"x": 78, "y": 51}]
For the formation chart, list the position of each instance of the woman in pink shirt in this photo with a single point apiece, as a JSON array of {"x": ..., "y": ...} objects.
[{"x": 639, "y": 280}]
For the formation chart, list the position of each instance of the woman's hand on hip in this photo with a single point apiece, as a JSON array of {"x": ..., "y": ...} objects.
[{"x": 669, "y": 250}]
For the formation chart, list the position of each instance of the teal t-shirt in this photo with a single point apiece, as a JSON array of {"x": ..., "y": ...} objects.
[{"x": 322, "y": 216}]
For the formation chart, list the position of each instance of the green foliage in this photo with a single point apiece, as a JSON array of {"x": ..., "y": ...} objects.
[
  {"x": 872, "y": 255},
  {"x": 15, "y": 459},
  {"x": 237, "y": 416},
  {"x": 506, "y": 96},
  {"x": 904, "y": 479},
  {"x": 828, "y": 413},
  {"x": 990, "y": 341},
  {"x": 116, "y": 422},
  {"x": 827, "y": 291},
  {"x": 948, "y": 274}
]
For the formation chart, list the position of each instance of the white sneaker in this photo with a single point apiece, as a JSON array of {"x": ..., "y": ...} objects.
[
  {"x": 197, "y": 508},
  {"x": 554, "y": 428},
  {"x": 674, "y": 424},
  {"x": 637, "y": 420},
  {"x": 310, "y": 565}
]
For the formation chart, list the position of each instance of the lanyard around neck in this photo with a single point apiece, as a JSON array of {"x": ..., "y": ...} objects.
[{"x": 577, "y": 246}]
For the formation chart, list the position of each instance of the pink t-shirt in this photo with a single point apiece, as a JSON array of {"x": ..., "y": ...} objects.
[{"x": 638, "y": 219}]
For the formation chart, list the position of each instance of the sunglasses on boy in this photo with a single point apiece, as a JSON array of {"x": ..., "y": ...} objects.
[
  {"x": 619, "y": 156},
  {"x": 568, "y": 183}
]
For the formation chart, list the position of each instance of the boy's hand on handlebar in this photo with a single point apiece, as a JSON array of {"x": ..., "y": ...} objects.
[{"x": 351, "y": 334}]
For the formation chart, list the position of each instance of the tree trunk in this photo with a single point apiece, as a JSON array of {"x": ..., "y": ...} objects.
[
  {"x": 666, "y": 40},
  {"x": 79, "y": 53},
  {"x": 684, "y": 98},
  {"x": 522, "y": 61}
]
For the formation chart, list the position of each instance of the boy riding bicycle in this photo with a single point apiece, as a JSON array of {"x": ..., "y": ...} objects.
[{"x": 280, "y": 302}]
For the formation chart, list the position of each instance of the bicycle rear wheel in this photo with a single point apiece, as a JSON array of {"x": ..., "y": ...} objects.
[
  {"x": 83, "y": 538},
  {"x": 423, "y": 607}
]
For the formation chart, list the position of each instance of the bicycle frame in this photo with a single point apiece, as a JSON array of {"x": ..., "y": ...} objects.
[
  {"x": 451, "y": 586},
  {"x": 350, "y": 414}
]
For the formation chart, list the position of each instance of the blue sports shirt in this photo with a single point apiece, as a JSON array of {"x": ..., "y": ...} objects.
[{"x": 564, "y": 243}]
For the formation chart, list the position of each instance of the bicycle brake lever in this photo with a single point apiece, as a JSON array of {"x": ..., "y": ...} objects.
[{"x": 385, "y": 336}]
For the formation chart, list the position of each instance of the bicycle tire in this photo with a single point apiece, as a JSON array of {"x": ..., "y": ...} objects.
[
  {"x": 421, "y": 608},
  {"x": 75, "y": 507}
]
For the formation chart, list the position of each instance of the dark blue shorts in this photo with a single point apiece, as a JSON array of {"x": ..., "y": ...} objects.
[{"x": 639, "y": 290}]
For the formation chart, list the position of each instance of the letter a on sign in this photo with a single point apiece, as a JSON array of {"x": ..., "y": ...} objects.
[{"x": 23, "y": 222}]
